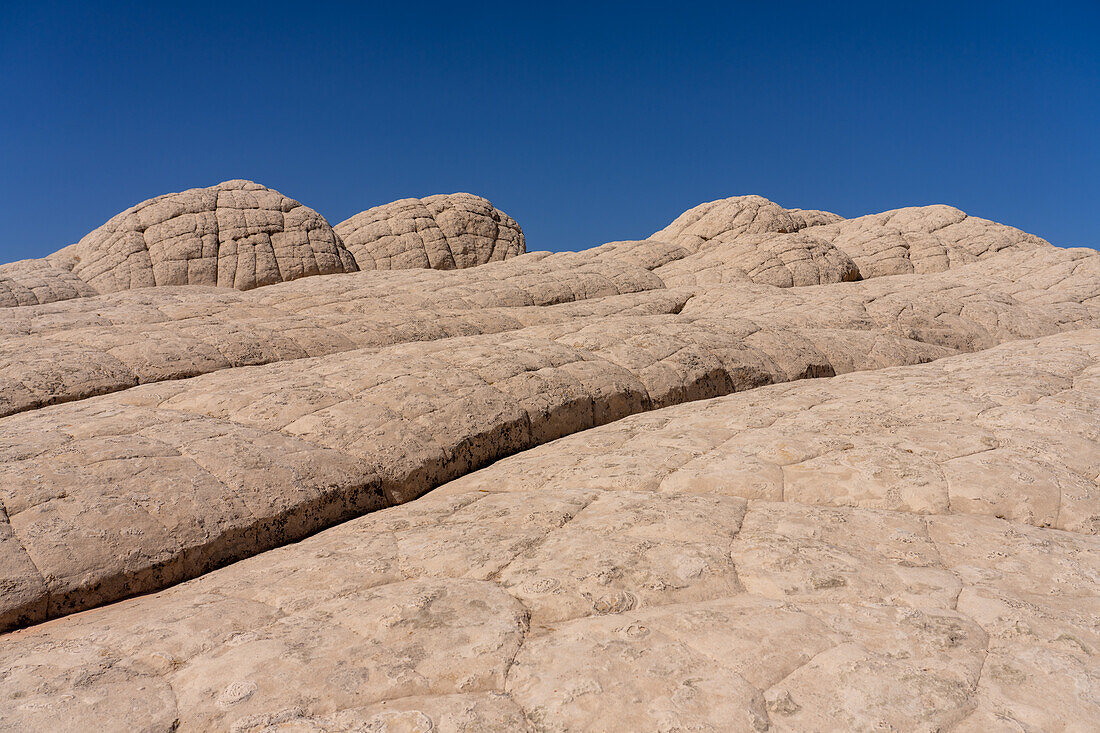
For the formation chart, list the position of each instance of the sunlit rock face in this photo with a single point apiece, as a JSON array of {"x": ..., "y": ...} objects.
[
  {"x": 242, "y": 235},
  {"x": 443, "y": 232},
  {"x": 769, "y": 469},
  {"x": 237, "y": 234}
]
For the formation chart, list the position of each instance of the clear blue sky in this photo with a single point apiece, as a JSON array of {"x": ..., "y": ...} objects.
[{"x": 586, "y": 122}]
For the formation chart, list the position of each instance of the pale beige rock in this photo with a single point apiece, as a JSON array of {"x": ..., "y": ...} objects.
[
  {"x": 83, "y": 348},
  {"x": 909, "y": 542},
  {"x": 34, "y": 282},
  {"x": 237, "y": 234},
  {"x": 339, "y": 441},
  {"x": 443, "y": 232},
  {"x": 921, "y": 239},
  {"x": 725, "y": 219},
  {"x": 781, "y": 260},
  {"x": 703, "y": 611}
]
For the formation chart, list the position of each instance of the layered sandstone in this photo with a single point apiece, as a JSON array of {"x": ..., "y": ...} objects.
[{"x": 769, "y": 469}]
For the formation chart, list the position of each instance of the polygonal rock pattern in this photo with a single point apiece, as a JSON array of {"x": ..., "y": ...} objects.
[
  {"x": 727, "y": 219},
  {"x": 237, "y": 234},
  {"x": 678, "y": 530},
  {"x": 34, "y": 282},
  {"x": 921, "y": 239},
  {"x": 783, "y": 261},
  {"x": 443, "y": 232}
]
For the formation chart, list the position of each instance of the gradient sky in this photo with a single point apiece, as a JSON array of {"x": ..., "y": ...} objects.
[{"x": 586, "y": 122}]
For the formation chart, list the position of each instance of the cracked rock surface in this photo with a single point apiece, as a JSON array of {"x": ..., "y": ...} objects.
[
  {"x": 241, "y": 235},
  {"x": 767, "y": 470},
  {"x": 443, "y": 232}
]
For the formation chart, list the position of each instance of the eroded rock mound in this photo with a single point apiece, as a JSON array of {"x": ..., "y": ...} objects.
[
  {"x": 443, "y": 232},
  {"x": 237, "y": 234},
  {"x": 784, "y": 261},
  {"x": 921, "y": 239},
  {"x": 726, "y": 219},
  {"x": 34, "y": 282}
]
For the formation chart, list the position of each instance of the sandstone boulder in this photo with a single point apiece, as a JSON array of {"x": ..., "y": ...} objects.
[
  {"x": 237, "y": 234},
  {"x": 443, "y": 232},
  {"x": 733, "y": 217}
]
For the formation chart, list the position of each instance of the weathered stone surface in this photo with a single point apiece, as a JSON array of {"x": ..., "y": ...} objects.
[
  {"x": 443, "y": 232},
  {"x": 921, "y": 239},
  {"x": 237, "y": 234},
  {"x": 339, "y": 441},
  {"x": 241, "y": 235},
  {"x": 726, "y": 219},
  {"x": 784, "y": 261},
  {"x": 753, "y": 235},
  {"x": 526, "y": 594},
  {"x": 678, "y": 531},
  {"x": 34, "y": 282},
  {"x": 83, "y": 348}
]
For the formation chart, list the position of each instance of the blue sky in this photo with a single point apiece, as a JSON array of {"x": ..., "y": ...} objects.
[{"x": 586, "y": 122}]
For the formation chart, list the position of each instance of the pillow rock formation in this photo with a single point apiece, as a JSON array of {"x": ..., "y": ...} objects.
[
  {"x": 242, "y": 235},
  {"x": 767, "y": 470},
  {"x": 444, "y": 232}
]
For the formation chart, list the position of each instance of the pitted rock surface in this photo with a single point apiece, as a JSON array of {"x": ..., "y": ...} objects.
[
  {"x": 726, "y": 478},
  {"x": 443, "y": 232}
]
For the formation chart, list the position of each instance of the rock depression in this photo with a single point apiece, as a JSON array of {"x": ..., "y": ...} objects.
[{"x": 768, "y": 469}]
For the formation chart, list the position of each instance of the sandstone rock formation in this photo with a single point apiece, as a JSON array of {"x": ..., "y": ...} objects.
[
  {"x": 241, "y": 235},
  {"x": 920, "y": 239},
  {"x": 237, "y": 234},
  {"x": 677, "y": 531},
  {"x": 444, "y": 232},
  {"x": 32, "y": 282},
  {"x": 727, "y": 219}
]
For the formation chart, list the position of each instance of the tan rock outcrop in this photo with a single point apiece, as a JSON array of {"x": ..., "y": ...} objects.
[
  {"x": 34, "y": 282},
  {"x": 726, "y": 219},
  {"x": 443, "y": 232},
  {"x": 619, "y": 579},
  {"x": 237, "y": 234},
  {"x": 728, "y": 478},
  {"x": 241, "y": 235},
  {"x": 785, "y": 261},
  {"x": 921, "y": 239}
]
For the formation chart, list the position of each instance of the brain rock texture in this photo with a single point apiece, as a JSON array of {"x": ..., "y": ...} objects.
[
  {"x": 242, "y": 235},
  {"x": 444, "y": 232},
  {"x": 237, "y": 234},
  {"x": 767, "y": 470}
]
